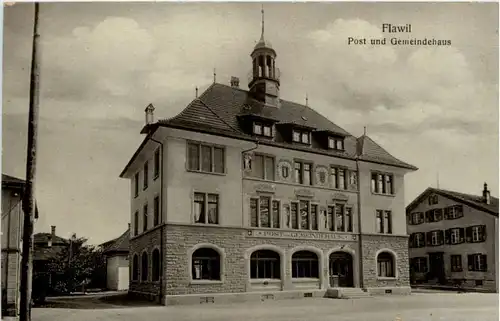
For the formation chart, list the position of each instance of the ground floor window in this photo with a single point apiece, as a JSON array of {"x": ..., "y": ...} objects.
[
  {"x": 206, "y": 264},
  {"x": 135, "y": 268},
  {"x": 305, "y": 265},
  {"x": 385, "y": 264},
  {"x": 144, "y": 267},
  {"x": 419, "y": 264},
  {"x": 456, "y": 263},
  {"x": 477, "y": 262},
  {"x": 265, "y": 264},
  {"x": 155, "y": 265}
]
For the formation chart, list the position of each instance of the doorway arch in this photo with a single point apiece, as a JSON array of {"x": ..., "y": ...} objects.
[{"x": 341, "y": 272}]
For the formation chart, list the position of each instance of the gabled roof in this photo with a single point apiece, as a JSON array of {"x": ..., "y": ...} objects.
[
  {"x": 41, "y": 250},
  {"x": 118, "y": 245},
  {"x": 43, "y": 238},
  {"x": 473, "y": 201},
  {"x": 219, "y": 108},
  {"x": 11, "y": 182}
]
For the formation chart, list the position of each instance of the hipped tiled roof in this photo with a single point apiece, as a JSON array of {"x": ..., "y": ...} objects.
[{"x": 118, "y": 245}]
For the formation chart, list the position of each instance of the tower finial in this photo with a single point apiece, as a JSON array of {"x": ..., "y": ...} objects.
[
  {"x": 196, "y": 91},
  {"x": 364, "y": 130},
  {"x": 437, "y": 179},
  {"x": 307, "y": 100},
  {"x": 215, "y": 76},
  {"x": 262, "y": 11}
]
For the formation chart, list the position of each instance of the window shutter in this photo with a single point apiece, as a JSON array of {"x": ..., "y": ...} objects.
[
  {"x": 428, "y": 216},
  {"x": 470, "y": 262},
  {"x": 429, "y": 238},
  {"x": 468, "y": 234},
  {"x": 447, "y": 236},
  {"x": 485, "y": 266},
  {"x": 460, "y": 210},
  {"x": 411, "y": 242},
  {"x": 425, "y": 265},
  {"x": 441, "y": 237},
  {"x": 483, "y": 233},
  {"x": 408, "y": 218},
  {"x": 446, "y": 213},
  {"x": 462, "y": 235}
]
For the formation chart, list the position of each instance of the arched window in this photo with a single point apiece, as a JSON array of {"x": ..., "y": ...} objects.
[
  {"x": 135, "y": 267},
  {"x": 305, "y": 265},
  {"x": 385, "y": 263},
  {"x": 206, "y": 264},
  {"x": 156, "y": 265},
  {"x": 144, "y": 268},
  {"x": 265, "y": 264}
]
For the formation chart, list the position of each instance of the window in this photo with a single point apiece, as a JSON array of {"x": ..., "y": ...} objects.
[
  {"x": 331, "y": 218},
  {"x": 475, "y": 234},
  {"x": 338, "y": 178},
  {"x": 264, "y": 212},
  {"x": 135, "y": 268},
  {"x": 145, "y": 217},
  {"x": 263, "y": 167},
  {"x": 156, "y": 170},
  {"x": 339, "y": 218},
  {"x": 206, "y": 208},
  {"x": 305, "y": 265},
  {"x": 384, "y": 222},
  {"x": 303, "y": 173},
  {"x": 433, "y": 199},
  {"x": 299, "y": 136},
  {"x": 419, "y": 264},
  {"x": 453, "y": 212},
  {"x": 136, "y": 223},
  {"x": 477, "y": 262},
  {"x": 155, "y": 265},
  {"x": 455, "y": 235},
  {"x": 417, "y": 240},
  {"x": 456, "y": 263},
  {"x": 382, "y": 184},
  {"x": 146, "y": 174},
  {"x": 416, "y": 218},
  {"x": 335, "y": 143},
  {"x": 385, "y": 264},
  {"x": 295, "y": 216},
  {"x": 156, "y": 211},
  {"x": 144, "y": 267},
  {"x": 265, "y": 264},
  {"x": 206, "y": 264},
  {"x": 262, "y": 129},
  {"x": 136, "y": 184},
  {"x": 435, "y": 238},
  {"x": 348, "y": 219},
  {"x": 304, "y": 215},
  {"x": 206, "y": 158}
]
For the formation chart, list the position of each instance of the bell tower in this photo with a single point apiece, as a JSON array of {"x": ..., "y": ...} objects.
[{"x": 264, "y": 79}]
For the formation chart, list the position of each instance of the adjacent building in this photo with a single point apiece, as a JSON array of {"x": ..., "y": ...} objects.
[
  {"x": 116, "y": 254},
  {"x": 454, "y": 239},
  {"x": 248, "y": 196},
  {"x": 12, "y": 231}
]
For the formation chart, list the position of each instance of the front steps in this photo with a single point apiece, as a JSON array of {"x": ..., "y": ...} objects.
[{"x": 347, "y": 293}]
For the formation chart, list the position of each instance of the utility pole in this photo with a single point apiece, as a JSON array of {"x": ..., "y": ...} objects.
[{"x": 29, "y": 206}]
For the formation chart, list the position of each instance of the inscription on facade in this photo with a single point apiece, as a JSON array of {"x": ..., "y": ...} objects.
[
  {"x": 340, "y": 197},
  {"x": 304, "y": 192},
  {"x": 301, "y": 235},
  {"x": 266, "y": 188}
]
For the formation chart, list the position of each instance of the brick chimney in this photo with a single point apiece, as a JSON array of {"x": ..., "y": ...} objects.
[
  {"x": 486, "y": 194},
  {"x": 235, "y": 82},
  {"x": 52, "y": 235}
]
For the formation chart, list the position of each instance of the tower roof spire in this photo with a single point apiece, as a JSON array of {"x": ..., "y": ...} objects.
[{"x": 262, "y": 34}]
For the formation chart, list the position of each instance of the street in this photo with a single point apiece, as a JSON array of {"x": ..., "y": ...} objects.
[{"x": 419, "y": 306}]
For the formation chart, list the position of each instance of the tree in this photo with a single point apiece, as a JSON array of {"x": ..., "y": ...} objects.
[{"x": 76, "y": 266}]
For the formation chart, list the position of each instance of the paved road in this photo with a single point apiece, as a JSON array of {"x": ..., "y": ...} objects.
[{"x": 417, "y": 307}]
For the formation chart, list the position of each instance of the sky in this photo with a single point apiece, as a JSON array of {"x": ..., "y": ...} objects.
[{"x": 103, "y": 63}]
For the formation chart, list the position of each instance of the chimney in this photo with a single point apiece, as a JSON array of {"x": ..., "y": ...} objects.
[
  {"x": 486, "y": 194},
  {"x": 129, "y": 226},
  {"x": 149, "y": 114},
  {"x": 235, "y": 82},
  {"x": 53, "y": 230}
]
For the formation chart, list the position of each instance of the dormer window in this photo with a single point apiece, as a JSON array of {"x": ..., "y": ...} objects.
[
  {"x": 335, "y": 143},
  {"x": 262, "y": 129},
  {"x": 301, "y": 136}
]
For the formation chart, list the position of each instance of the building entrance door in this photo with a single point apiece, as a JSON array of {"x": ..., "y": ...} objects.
[
  {"x": 436, "y": 267},
  {"x": 340, "y": 267}
]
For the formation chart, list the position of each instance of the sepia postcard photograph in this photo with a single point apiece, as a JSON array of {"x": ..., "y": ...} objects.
[{"x": 277, "y": 161}]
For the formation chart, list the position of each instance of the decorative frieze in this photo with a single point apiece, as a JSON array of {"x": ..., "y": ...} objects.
[{"x": 302, "y": 235}]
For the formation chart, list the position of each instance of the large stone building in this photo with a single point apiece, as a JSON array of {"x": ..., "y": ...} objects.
[
  {"x": 454, "y": 239},
  {"x": 247, "y": 196}
]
